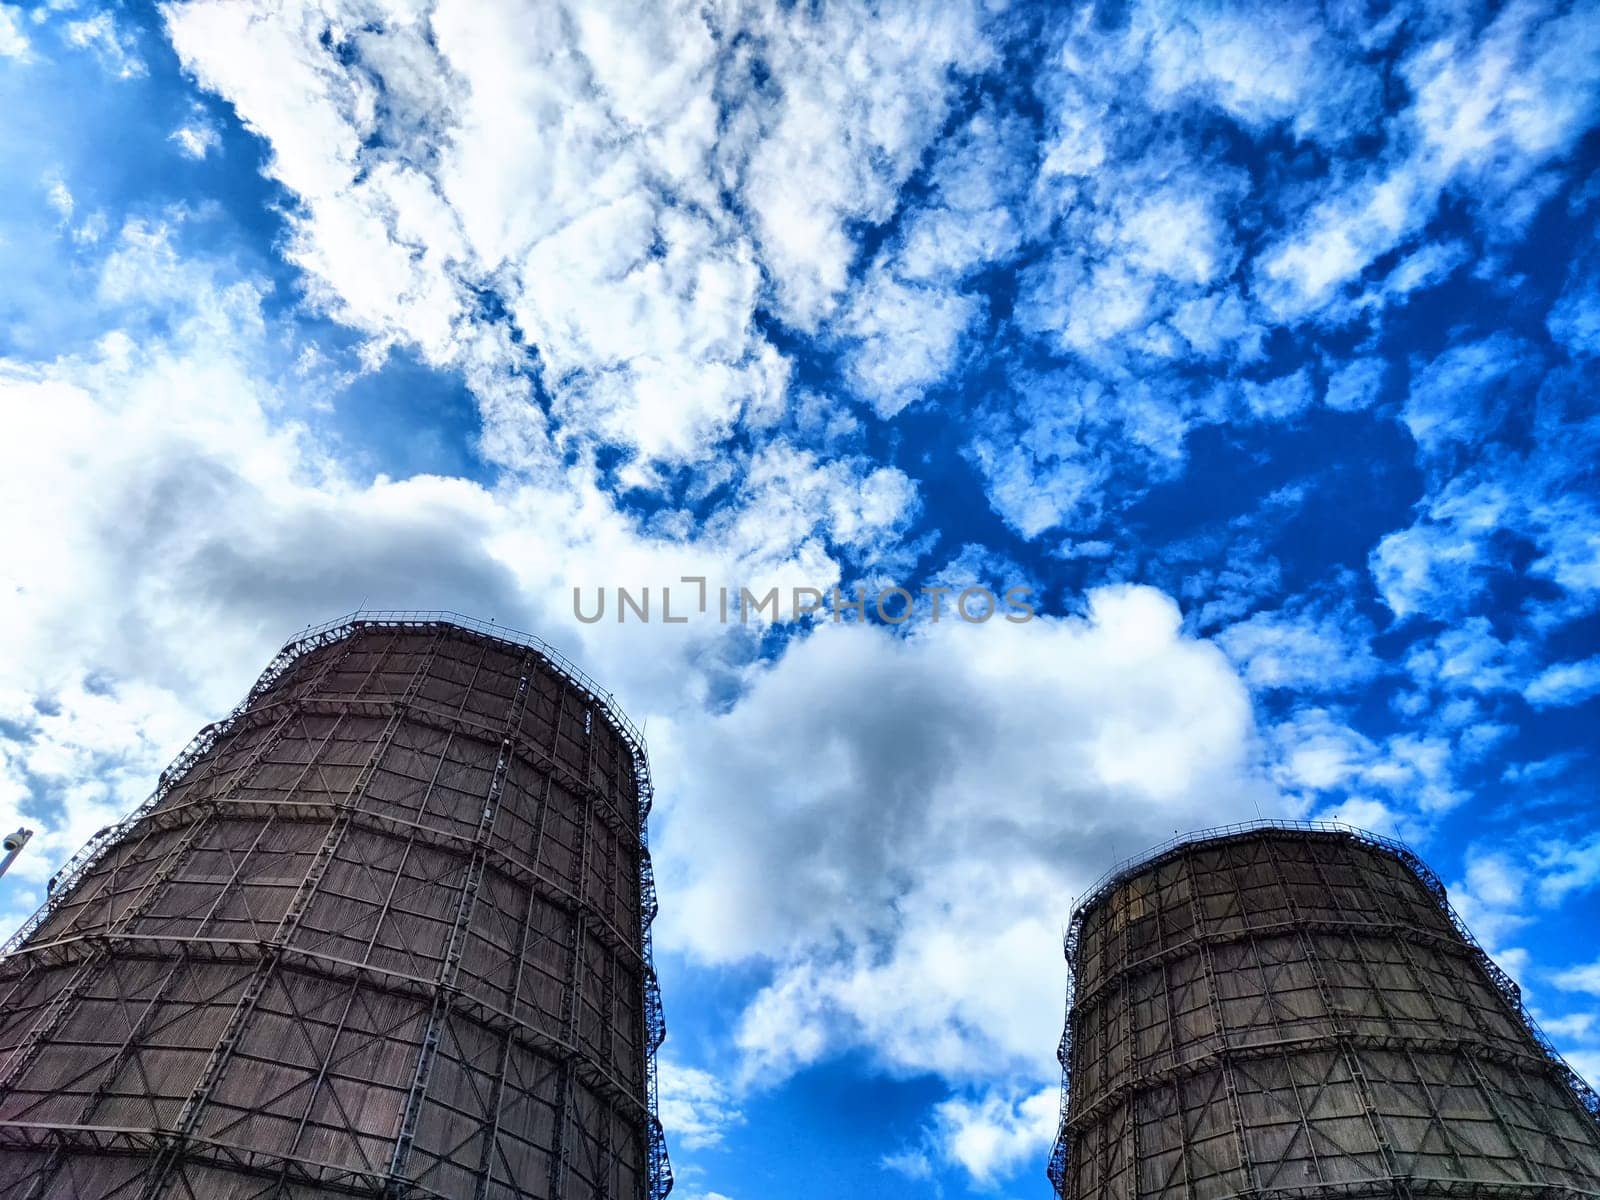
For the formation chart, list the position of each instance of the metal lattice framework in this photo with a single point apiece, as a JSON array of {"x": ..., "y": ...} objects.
[
  {"x": 1292, "y": 1010},
  {"x": 383, "y": 931}
]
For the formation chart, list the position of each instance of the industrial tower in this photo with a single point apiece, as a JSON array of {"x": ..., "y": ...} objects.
[
  {"x": 1292, "y": 1011},
  {"x": 384, "y": 931}
]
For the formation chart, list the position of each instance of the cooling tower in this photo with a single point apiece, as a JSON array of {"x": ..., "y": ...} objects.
[
  {"x": 382, "y": 932},
  {"x": 1288, "y": 1012}
]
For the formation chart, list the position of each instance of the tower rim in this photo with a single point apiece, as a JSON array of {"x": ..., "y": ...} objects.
[
  {"x": 351, "y": 622},
  {"x": 1179, "y": 844}
]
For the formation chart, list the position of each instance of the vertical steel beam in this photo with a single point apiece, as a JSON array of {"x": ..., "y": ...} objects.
[
  {"x": 461, "y": 923},
  {"x": 1202, "y": 924}
]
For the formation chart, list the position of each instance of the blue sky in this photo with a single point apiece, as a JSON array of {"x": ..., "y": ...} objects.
[{"x": 1261, "y": 343}]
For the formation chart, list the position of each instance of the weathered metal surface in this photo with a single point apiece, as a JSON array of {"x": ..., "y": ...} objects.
[
  {"x": 1294, "y": 1011},
  {"x": 384, "y": 931}
]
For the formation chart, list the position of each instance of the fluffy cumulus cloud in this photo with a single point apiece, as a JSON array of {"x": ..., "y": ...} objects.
[
  {"x": 411, "y": 220},
  {"x": 1068, "y": 448},
  {"x": 995, "y": 1135},
  {"x": 899, "y": 821},
  {"x": 906, "y": 336},
  {"x": 174, "y": 512}
]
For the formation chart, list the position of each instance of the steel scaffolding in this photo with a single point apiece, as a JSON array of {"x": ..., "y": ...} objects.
[
  {"x": 384, "y": 931},
  {"x": 1292, "y": 1010}
]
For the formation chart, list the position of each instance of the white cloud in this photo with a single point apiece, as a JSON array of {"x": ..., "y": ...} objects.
[
  {"x": 1584, "y": 978},
  {"x": 978, "y": 176},
  {"x": 196, "y": 139},
  {"x": 59, "y": 197},
  {"x": 1429, "y": 567},
  {"x": 1565, "y": 865},
  {"x": 1036, "y": 490},
  {"x": 1491, "y": 901},
  {"x": 906, "y": 874},
  {"x": 859, "y": 93},
  {"x": 1338, "y": 239},
  {"x": 991, "y": 1135},
  {"x": 90, "y": 746},
  {"x": 1495, "y": 880},
  {"x": 1321, "y": 761},
  {"x": 1420, "y": 766},
  {"x": 1084, "y": 307},
  {"x": 1565, "y": 683},
  {"x": 1478, "y": 505},
  {"x": 1218, "y": 325},
  {"x": 13, "y": 41},
  {"x": 1521, "y": 92},
  {"x": 1278, "y": 399},
  {"x": 696, "y": 1109},
  {"x": 1541, "y": 770},
  {"x": 1572, "y": 1025},
  {"x": 1425, "y": 268},
  {"x": 1461, "y": 395},
  {"x": 1309, "y": 651},
  {"x": 944, "y": 243},
  {"x": 995, "y": 1135},
  {"x": 1052, "y": 450},
  {"x": 639, "y": 306},
  {"x": 907, "y": 337},
  {"x": 1140, "y": 224},
  {"x": 1146, "y": 263},
  {"x": 1356, "y": 385},
  {"x": 657, "y": 196},
  {"x": 1262, "y": 66},
  {"x": 111, "y": 44},
  {"x": 1490, "y": 110},
  {"x": 1319, "y": 752},
  {"x": 1574, "y": 320},
  {"x": 1469, "y": 657},
  {"x": 913, "y": 1164},
  {"x": 1176, "y": 234},
  {"x": 173, "y": 521}
]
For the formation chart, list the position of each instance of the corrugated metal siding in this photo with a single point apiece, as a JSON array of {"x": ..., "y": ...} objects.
[
  {"x": 384, "y": 928},
  {"x": 1295, "y": 1013}
]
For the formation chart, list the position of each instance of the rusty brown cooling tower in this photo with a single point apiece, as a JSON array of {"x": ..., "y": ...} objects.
[
  {"x": 1294, "y": 1012},
  {"x": 384, "y": 931}
]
